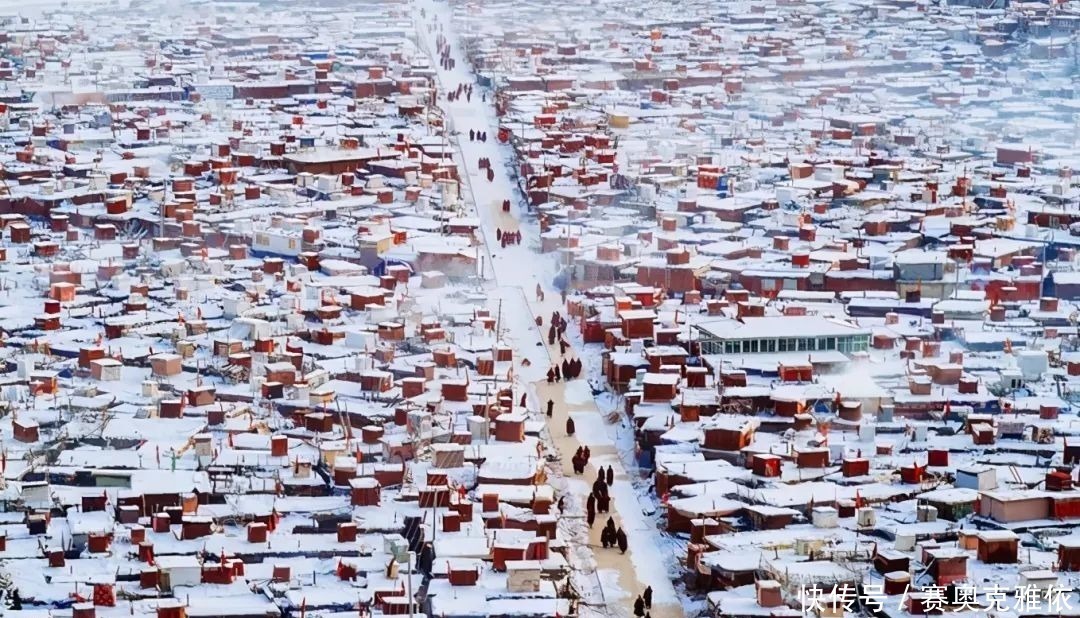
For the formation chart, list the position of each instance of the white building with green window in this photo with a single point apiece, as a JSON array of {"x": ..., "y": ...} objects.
[{"x": 774, "y": 335}]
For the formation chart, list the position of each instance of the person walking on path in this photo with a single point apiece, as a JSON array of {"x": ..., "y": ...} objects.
[
  {"x": 610, "y": 476},
  {"x": 639, "y": 607},
  {"x": 569, "y": 426},
  {"x": 550, "y": 407},
  {"x": 602, "y": 488},
  {"x": 647, "y": 595},
  {"x": 620, "y": 538},
  {"x": 603, "y": 503}
]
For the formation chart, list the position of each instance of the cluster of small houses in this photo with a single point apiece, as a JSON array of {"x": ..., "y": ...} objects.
[
  {"x": 247, "y": 375},
  {"x": 248, "y": 371},
  {"x": 849, "y": 356}
]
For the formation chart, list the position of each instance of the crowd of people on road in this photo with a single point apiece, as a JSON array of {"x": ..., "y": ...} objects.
[
  {"x": 599, "y": 499},
  {"x": 569, "y": 369},
  {"x": 508, "y": 238},
  {"x": 580, "y": 459},
  {"x": 643, "y": 603},
  {"x": 445, "y": 60},
  {"x": 611, "y": 536},
  {"x": 484, "y": 163},
  {"x": 557, "y": 329}
]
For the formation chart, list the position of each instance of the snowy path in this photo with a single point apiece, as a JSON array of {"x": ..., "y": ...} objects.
[{"x": 516, "y": 272}]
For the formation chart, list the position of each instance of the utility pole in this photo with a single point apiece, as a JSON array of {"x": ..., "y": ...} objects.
[{"x": 498, "y": 322}]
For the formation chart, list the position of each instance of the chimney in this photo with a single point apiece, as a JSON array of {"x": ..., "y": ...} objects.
[{"x": 769, "y": 593}]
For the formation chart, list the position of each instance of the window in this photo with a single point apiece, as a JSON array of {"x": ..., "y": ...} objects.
[
  {"x": 830, "y": 343},
  {"x": 856, "y": 343},
  {"x": 769, "y": 345},
  {"x": 729, "y": 347},
  {"x": 262, "y": 239},
  {"x": 753, "y": 346},
  {"x": 803, "y": 344},
  {"x": 292, "y": 243}
]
